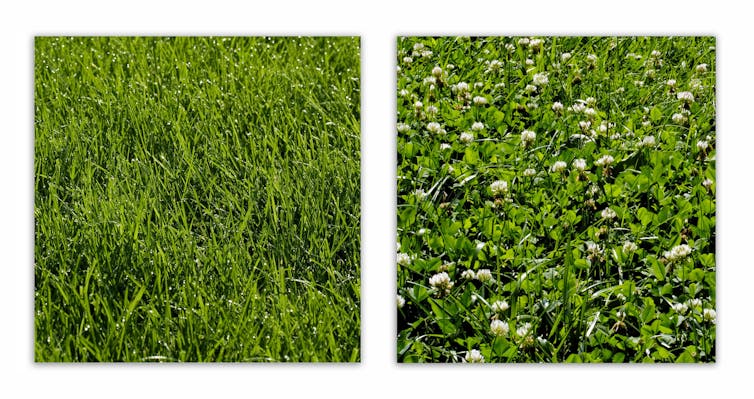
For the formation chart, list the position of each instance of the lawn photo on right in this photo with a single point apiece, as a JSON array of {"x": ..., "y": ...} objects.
[{"x": 556, "y": 200}]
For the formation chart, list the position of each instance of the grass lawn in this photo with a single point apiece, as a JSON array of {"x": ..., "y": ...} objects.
[
  {"x": 556, "y": 199},
  {"x": 197, "y": 199}
]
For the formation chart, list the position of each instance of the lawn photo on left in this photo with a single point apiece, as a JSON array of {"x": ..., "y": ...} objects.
[{"x": 197, "y": 199}]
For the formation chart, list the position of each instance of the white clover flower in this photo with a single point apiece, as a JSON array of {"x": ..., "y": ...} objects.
[
  {"x": 478, "y": 85},
  {"x": 557, "y": 106},
  {"x": 474, "y": 356},
  {"x": 466, "y": 137},
  {"x": 565, "y": 57},
  {"x": 401, "y": 301},
  {"x": 484, "y": 275},
  {"x": 540, "y": 79},
  {"x": 523, "y": 41},
  {"x": 647, "y": 141},
  {"x": 434, "y": 127},
  {"x": 437, "y": 72},
  {"x": 407, "y": 60},
  {"x": 602, "y": 128},
  {"x": 441, "y": 282},
  {"x": 528, "y": 136},
  {"x": 418, "y": 105},
  {"x": 403, "y": 128},
  {"x": 529, "y": 62},
  {"x": 655, "y": 54},
  {"x": 702, "y": 145},
  {"x": 499, "y": 328},
  {"x": 426, "y": 53},
  {"x": 430, "y": 80},
  {"x": 450, "y": 67},
  {"x": 709, "y": 315},
  {"x": 593, "y": 248},
  {"x": 422, "y": 231},
  {"x": 445, "y": 146},
  {"x": 432, "y": 110},
  {"x": 468, "y": 275},
  {"x": 418, "y": 46},
  {"x": 591, "y": 59},
  {"x": 510, "y": 47},
  {"x": 629, "y": 247},
  {"x": 579, "y": 136},
  {"x": 535, "y": 44},
  {"x": 523, "y": 330},
  {"x": 605, "y": 160},
  {"x": 558, "y": 166},
  {"x": 679, "y": 118},
  {"x": 670, "y": 82},
  {"x": 608, "y": 213},
  {"x": 461, "y": 87},
  {"x": 499, "y": 187},
  {"x": 577, "y": 107},
  {"x": 404, "y": 259},
  {"x": 591, "y": 101},
  {"x": 579, "y": 164},
  {"x": 680, "y": 308},
  {"x": 529, "y": 172},
  {"x": 479, "y": 100},
  {"x": 420, "y": 194},
  {"x": 701, "y": 68},
  {"x": 686, "y": 96},
  {"x": 707, "y": 183},
  {"x": 494, "y": 65},
  {"x": 646, "y": 123},
  {"x": 650, "y": 73},
  {"x": 677, "y": 253},
  {"x": 477, "y": 126},
  {"x": 499, "y": 306},
  {"x": 404, "y": 93},
  {"x": 590, "y": 112},
  {"x": 532, "y": 106},
  {"x": 695, "y": 303},
  {"x": 530, "y": 88}
]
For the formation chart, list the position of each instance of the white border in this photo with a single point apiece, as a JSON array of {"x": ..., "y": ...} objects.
[{"x": 379, "y": 23}]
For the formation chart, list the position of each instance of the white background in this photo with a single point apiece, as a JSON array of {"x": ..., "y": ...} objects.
[{"x": 378, "y": 23}]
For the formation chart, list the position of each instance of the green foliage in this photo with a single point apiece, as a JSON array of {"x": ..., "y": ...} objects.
[
  {"x": 197, "y": 199},
  {"x": 602, "y": 240}
]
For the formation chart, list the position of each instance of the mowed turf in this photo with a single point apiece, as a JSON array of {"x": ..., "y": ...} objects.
[{"x": 197, "y": 199}]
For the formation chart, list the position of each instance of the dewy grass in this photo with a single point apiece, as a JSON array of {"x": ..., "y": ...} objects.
[
  {"x": 556, "y": 199},
  {"x": 197, "y": 199}
]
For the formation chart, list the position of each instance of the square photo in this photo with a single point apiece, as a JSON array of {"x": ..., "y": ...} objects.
[
  {"x": 197, "y": 199},
  {"x": 556, "y": 200}
]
